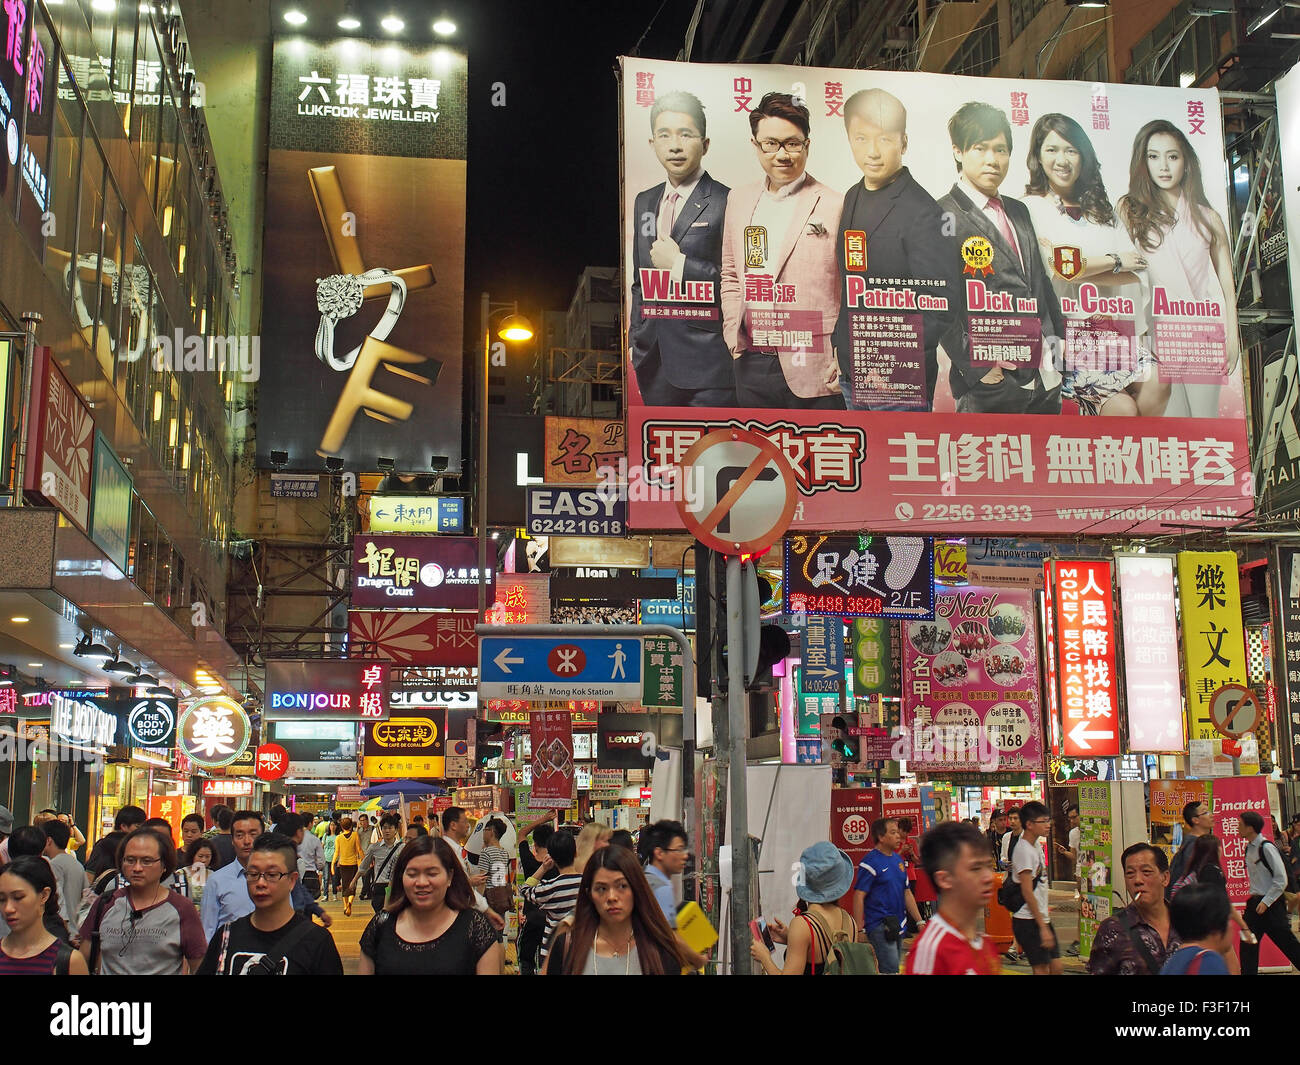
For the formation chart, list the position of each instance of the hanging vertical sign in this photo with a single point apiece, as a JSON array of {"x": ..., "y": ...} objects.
[
  {"x": 552, "y": 736},
  {"x": 1085, "y": 650},
  {"x": 1050, "y": 672},
  {"x": 1288, "y": 599},
  {"x": 1214, "y": 645},
  {"x": 823, "y": 655},
  {"x": 872, "y": 648},
  {"x": 1151, "y": 680}
]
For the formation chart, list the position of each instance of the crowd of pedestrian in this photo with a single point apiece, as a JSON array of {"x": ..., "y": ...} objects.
[{"x": 600, "y": 902}]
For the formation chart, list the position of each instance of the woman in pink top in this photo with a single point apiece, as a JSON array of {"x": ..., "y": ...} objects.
[{"x": 1187, "y": 248}]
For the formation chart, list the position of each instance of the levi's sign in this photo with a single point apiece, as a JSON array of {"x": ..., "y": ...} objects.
[{"x": 577, "y": 510}]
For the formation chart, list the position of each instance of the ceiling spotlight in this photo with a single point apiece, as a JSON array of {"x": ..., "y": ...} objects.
[
  {"x": 334, "y": 464},
  {"x": 19, "y": 619},
  {"x": 279, "y": 459},
  {"x": 386, "y": 465},
  {"x": 392, "y": 24},
  {"x": 349, "y": 22},
  {"x": 439, "y": 463},
  {"x": 161, "y": 690},
  {"x": 295, "y": 17},
  {"x": 120, "y": 665},
  {"x": 87, "y": 648},
  {"x": 444, "y": 27}
]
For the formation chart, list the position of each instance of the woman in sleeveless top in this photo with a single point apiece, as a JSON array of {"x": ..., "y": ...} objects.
[
  {"x": 28, "y": 894},
  {"x": 1188, "y": 252},
  {"x": 826, "y": 874}
]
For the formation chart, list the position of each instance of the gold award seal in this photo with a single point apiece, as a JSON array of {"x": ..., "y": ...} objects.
[{"x": 977, "y": 254}]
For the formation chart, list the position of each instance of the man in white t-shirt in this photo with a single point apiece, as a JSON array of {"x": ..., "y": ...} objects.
[{"x": 1031, "y": 924}]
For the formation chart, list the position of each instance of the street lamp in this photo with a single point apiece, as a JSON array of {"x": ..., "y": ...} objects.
[{"x": 513, "y": 327}]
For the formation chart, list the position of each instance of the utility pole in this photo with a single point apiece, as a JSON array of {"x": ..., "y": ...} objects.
[{"x": 738, "y": 792}]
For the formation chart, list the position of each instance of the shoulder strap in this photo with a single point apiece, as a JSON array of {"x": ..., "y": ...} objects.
[
  {"x": 96, "y": 916},
  {"x": 225, "y": 944},
  {"x": 63, "y": 960},
  {"x": 821, "y": 936},
  {"x": 1126, "y": 922},
  {"x": 269, "y": 964},
  {"x": 397, "y": 846},
  {"x": 1194, "y": 966}
]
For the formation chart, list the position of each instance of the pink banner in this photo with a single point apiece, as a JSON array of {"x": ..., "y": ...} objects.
[
  {"x": 1232, "y": 797},
  {"x": 1004, "y": 473},
  {"x": 1151, "y": 679},
  {"x": 552, "y": 736},
  {"x": 970, "y": 683}
]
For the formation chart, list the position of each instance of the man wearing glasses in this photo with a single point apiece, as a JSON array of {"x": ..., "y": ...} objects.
[
  {"x": 780, "y": 277},
  {"x": 676, "y": 342},
  {"x": 273, "y": 940},
  {"x": 665, "y": 853}
]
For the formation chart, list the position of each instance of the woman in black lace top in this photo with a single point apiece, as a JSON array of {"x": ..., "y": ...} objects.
[{"x": 430, "y": 926}]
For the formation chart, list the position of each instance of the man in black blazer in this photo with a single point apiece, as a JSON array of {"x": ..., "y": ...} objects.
[
  {"x": 890, "y": 228},
  {"x": 984, "y": 221},
  {"x": 678, "y": 353}
]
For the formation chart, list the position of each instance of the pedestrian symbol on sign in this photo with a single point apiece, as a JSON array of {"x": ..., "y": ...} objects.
[{"x": 619, "y": 656}]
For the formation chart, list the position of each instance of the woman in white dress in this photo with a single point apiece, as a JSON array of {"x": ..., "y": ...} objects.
[
  {"x": 1186, "y": 242},
  {"x": 1092, "y": 263}
]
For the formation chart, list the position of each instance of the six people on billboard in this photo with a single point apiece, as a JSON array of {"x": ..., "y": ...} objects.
[{"x": 783, "y": 293}]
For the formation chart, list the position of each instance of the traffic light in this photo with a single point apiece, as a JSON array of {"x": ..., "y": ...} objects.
[
  {"x": 762, "y": 645},
  {"x": 845, "y": 745},
  {"x": 490, "y": 746}
]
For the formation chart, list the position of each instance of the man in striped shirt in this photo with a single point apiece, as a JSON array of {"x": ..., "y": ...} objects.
[
  {"x": 956, "y": 857},
  {"x": 557, "y": 897}
]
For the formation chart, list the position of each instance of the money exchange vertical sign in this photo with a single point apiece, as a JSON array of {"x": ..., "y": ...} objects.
[
  {"x": 1214, "y": 643},
  {"x": 1085, "y": 645}
]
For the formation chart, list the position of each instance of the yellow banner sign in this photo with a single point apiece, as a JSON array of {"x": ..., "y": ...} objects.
[{"x": 1214, "y": 644}]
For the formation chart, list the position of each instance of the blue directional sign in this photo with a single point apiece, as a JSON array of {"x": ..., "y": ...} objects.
[
  {"x": 669, "y": 611},
  {"x": 823, "y": 655},
  {"x": 557, "y": 667}
]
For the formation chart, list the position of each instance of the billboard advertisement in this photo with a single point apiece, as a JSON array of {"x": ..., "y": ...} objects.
[
  {"x": 365, "y": 254},
  {"x": 970, "y": 682},
  {"x": 445, "y": 638},
  {"x": 416, "y": 572},
  {"x": 803, "y": 247}
]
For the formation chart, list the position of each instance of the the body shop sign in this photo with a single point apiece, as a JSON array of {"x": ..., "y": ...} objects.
[
  {"x": 320, "y": 690},
  {"x": 60, "y": 441},
  {"x": 1084, "y": 627},
  {"x": 76, "y": 720},
  {"x": 417, "y": 572},
  {"x": 151, "y": 722}
]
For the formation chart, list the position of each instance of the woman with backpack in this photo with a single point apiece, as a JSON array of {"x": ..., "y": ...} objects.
[
  {"x": 618, "y": 927},
  {"x": 821, "y": 923},
  {"x": 1205, "y": 866},
  {"x": 28, "y": 898}
]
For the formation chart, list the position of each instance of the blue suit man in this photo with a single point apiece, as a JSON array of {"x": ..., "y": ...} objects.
[{"x": 675, "y": 332}]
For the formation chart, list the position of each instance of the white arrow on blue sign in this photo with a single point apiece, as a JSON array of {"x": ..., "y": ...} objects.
[{"x": 554, "y": 667}]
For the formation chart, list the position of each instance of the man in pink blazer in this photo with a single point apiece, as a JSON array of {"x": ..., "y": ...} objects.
[{"x": 780, "y": 274}]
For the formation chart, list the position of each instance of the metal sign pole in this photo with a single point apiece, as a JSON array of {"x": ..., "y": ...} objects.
[{"x": 741, "y": 962}]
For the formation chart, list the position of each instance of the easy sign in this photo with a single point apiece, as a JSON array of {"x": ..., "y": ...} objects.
[{"x": 574, "y": 510}]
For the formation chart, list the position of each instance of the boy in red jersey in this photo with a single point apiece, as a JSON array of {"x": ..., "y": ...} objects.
[{"x": 956, "y": 857}]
